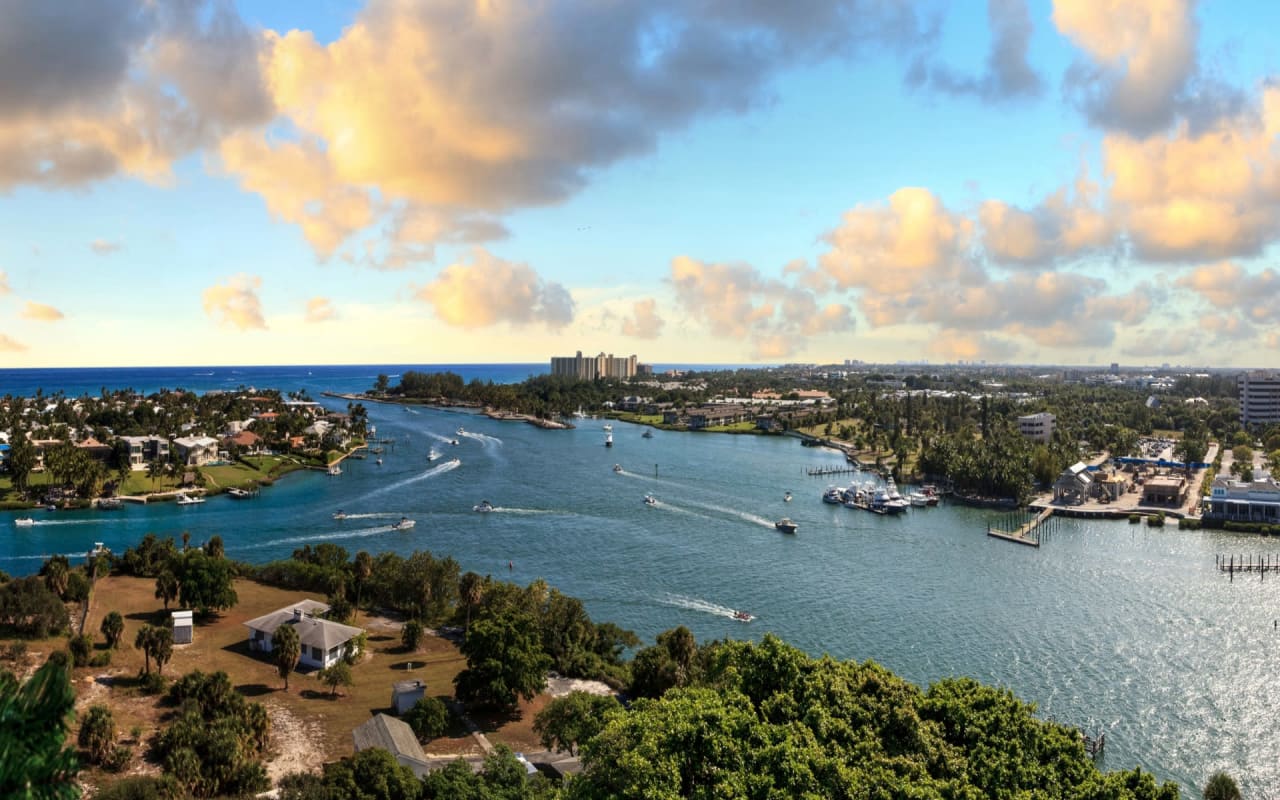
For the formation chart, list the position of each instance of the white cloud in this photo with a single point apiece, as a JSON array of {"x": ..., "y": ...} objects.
[
  {"x": 319, "y": 309},
  {"x": 491, "y": 290},
  {"x": 40, "y": 312},
  {"x": 235, "y": 303}
]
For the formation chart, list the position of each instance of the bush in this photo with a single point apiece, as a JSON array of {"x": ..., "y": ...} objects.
[
  {"x": 118, "y": 759},
  {"x": 1189, "y": 524},
  {"x": 141, "y": 788},
  {"x": 102, "y": 659},
  {"x": 81, "y": 647},
  {"x": 98, "y": 734},
  {"x": 77, "y": 587},
  {"x": 411, "y": 635},
  {"x": 429, "y": 718},
  {"x": 30, "y": 609},
  {"x": 16, "y": 651},
  {"x": 1157, "y": 521},
  {"x": 152, "y": 683},
  {"x": 1134, "y": 519}
]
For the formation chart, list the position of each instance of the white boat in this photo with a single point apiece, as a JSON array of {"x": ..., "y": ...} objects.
[
  {"x": 335, "y": 471},
  {"x": 110, "y": 504},
  {"x": 453, "y": 442},
  {"x": 617, "y": 468},
  {"x": 461, "y": 431},
  {"x": 918, "y": 499},
  {"x": 743, "y": 616},
  {"x": 339, "y": 514},
  {"x": 786, "y": 525},
  {"x": 379, "y": 462},
  {"x": 187, "y": 500},
  {"x": 99, "y": 549},
  {"x": 237, "y": 493},
  {"x": 484, "y": 507},
  {"x": 833, "y": 495},
  {"x": 403, "y": 525},
  {"x": 24, "y": 522},
  {"x": 650, "y": 500},
  {"x": 608, "y": 435},
  {"x": 432, "y": 455},
  {"x": 786, "y": 498}
]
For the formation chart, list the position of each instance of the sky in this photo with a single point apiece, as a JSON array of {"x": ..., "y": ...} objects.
[{"x": 691, "y": 181}]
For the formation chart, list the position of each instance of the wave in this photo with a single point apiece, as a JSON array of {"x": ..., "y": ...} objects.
[
  {"x": 504, "y": 510},
  {"x": 483, "y": 438},
  {"x": 376, "y": 515},
  {"x": 695, "y": 604},
  {"x": 744, "y": 515},
  {"x": 447, "y": 466},
  {"x": 321, "y": 537},
  {"x": 43, "y": 557}
]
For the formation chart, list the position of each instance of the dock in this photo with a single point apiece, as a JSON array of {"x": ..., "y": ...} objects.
[
  {"x": 832, "y": 470},
  {"x": 1026, "y": 532},
  {"x": 1261, "y": 564}
]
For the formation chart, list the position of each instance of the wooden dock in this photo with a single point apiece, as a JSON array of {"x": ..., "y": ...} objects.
[
  {"x": 835, "y": 470},
  {"x": 1260, "y": 564},
  {"x": 1027, "y": 532}
]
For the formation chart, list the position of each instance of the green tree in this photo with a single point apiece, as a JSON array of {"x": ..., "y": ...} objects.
[
  {"x": 505, "y": 661},
  {"x": 286, "y": 649},
  {"x": 205, "y": 583},
  {"x": 411, "y": 635},
  {"x": 429, "y": 718},
  {"x": 22, "y": 459},
  {"x": 34, "y": 721},
  {"x": 29, "y": 609},
  {"x": 98, "y": 733},
  {"x": 371, "y": 774},
  {"x": 1221, "y": 786},
  {"x": 156, "y": 643},
  {"x": 166, "y": 587},
  {"x": 112, "y": 629},
  {"x": 81, "y": 647},
  {"x": 56, "y": 572},
  {"x": 577, "y": 717},
  {"x": 338, "y": 674},
  {"x": 214, "y": 547},
  {"x": 470, "y": 593}
]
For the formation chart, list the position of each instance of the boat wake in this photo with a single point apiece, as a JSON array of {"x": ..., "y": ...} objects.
[
  {"x": 447, "y": 466},
  {"x": 483, "y": 438},
  {"x": 376, "y": 515},
  {"x": 695, "y": 604},
  {"x": 71, "y": 521},
  {"x": 744, "y": 515},
  {"x": 321, "y": 537},
  {"x": 439, "y": 438},
  {"x": 677, "y": 509},
  {"x": 501, "y": 510}
]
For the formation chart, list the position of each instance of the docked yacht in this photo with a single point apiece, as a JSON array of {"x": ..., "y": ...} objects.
[
  {"x": 188, "y": 500},
  {"x": 786, "y": 525},
  {"x": 335, "y": 471},
  {"x": 484, "y": 507},
  {"x": 918, "y": 499},
  {"x": 833, "y": 495}
]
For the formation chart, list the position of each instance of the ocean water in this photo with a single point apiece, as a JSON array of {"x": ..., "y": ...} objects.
[{"x": 1108, "y": 626}]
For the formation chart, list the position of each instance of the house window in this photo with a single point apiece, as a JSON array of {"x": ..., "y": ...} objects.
[{"x": 317, "y": 654}]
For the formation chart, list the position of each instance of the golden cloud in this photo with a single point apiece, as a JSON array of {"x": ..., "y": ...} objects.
[
  {"x": 40, "y": 312},
  {"x": 1226, "y": 286},
  {"x": 4, "y": 283},
  {"x": 952, "y": 345},
  {"x": 1065, "y": 224},
  {"x": 490, "y": 290},
  {"x": 235, "y": 303},
  {"x": 105, "y": 247},
  {"x": 319, "y": 309},
  {"x": 8, "y": 345},
  {"x": 644, "y": 322}
]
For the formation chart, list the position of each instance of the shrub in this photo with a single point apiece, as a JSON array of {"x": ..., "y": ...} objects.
[
  {"x": 77, "y": 587},
  {"x": 1134, "y": 519},
  {"x": 429, "y": 718},
  {"x": 30, "y": 609},
  {"x": 1189, "y": 524},
  {"x": 118, "y": 759},
  {"x": 98, "y": 733},
  {"x": 152, "y": 683},
  {"x": 16, "y": 651},
  {"x": 1157, "y": 521},
  {"x": 102, "y": 659},
  {"x": 411, "y": 635},
  {"x": 141, "y": 788},
  {"x": 81, "y": 647}
]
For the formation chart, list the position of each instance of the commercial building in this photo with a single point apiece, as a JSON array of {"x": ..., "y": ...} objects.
[
  {"x": 591, "y": 368},
  {"x": 1038, "y": 427},
  {"x": 1259, "y": 397},
  {"x": 1242, "y": 501}
]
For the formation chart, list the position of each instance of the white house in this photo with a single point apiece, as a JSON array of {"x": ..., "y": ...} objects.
[
  {"x": 324, "y": 642},
  {"x": 196, "y": 451}
]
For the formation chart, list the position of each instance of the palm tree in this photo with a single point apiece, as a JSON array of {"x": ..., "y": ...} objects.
[
  {"x": 154, "y": 468},
  {"x": 363, "y": 571},
  {"x": 166, "y": 587},
  {"x": 112, "y": 629},
  {"x": 286, "y": 648},
  {"x": 471, "y": 592},
  {"x": 1221, "y": 786},
  {"x": 56, "y": 573},
  {"x": 143, "y": 641}
]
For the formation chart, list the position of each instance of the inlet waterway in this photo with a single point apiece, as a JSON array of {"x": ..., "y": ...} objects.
[{"x": 1112, "y": 627}]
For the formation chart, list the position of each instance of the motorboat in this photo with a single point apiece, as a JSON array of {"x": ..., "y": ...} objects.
[
  {"x": 650, "y": 500},
  {"x": 99, "y": 549},
  {"x": 617, "y": 468},
  {"x": 339, "y": 514},
  {"x": 24, "y": 522},
  {"x": 378, "y": 462},
  {"x": 484, "y": 507},
  {"x": 918, "y": 499},
  {"x": 461, "y": 431},
  {"x": 239, "y": 494},
  {"x": 786, "y": 498},
  {"x": 833, "y": 495},
  {"x": 432, "y": 454},
  {"x": 743, "y": 616},
  {"x": 403, "y": 525},
  {"x": 110, "y": 504},
  {"x": 785, "y": 525},
  {"x": 647, "y": 435},
  {"x": 335, "y": 471},
  {"x": 453, "y": 442},
  {"x": 188, "y": 500}
]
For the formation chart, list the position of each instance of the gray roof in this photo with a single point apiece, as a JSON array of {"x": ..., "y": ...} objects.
[
  {"x": 312, "y": 631},
  {"x": 404, "y": 687},
  {"x": 390, "y": 734}
]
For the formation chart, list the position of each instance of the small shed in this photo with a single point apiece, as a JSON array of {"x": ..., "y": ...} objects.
[
  {"x": 405, "y": 693},
  {"x": 182, "y": 627}
]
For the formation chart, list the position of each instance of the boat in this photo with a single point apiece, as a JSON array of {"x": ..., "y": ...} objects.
[
  {"x": 650, "y": 500},
  {"x": 453, "y": 442},
  {"x": 24, "y": 522},
  {"x": 785, "y": 525},
  {"x": 335, "y": 471},
  {"x": 833, "y": 495},
  {"x": 918, "y": 499},
  {"x": 484, "y": 507},
  {"x": 432, "y": 455},
  {"x": 617, "y": 468},
  {"x": 403, "y": 525},
  {"x": 239, "y": 494},
  {"x": 339, "y": 514},
  {"x": 461, "y": 431},
  {"x": 608, "y": 435},
  {"x": 188, "y": 500},
  {"x": 786, "y": 498},
  {"x": 647, "y": 435},
  {"x": 110, "y": 504},
  {"x": 99, "y": 549},
  {"x": 743, "y": 616},
  {"x": 379, "y": 462}
]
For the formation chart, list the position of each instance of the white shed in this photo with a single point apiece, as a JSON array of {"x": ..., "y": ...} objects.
[
  {"x": 182, "y": 627},
  {"x": 405, "y": 693}
]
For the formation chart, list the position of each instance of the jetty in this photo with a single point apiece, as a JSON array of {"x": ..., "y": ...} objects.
[
  {"x": 1261, "y": 564},
  {"x": 838, "y": 469},
  {"x": 1026, "y": 532}
]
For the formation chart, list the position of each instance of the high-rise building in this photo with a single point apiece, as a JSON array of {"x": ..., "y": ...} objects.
[
  {"x": 1259, "y": 397},
  {"x": 592, "y": 367}
]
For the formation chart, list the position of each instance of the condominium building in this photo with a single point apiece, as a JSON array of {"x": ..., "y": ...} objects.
[
  {"x": 592, "y": 367},
  {"x": 1038, "y": 427},
  {"x": 1259, "y": 397}
]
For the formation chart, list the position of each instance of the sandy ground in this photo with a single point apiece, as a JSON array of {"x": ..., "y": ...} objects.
[
  {"x": 291, "y": 743},
  {"x": 559, "y": 687}
]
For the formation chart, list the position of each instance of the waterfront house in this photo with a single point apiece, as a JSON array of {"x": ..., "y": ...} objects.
[
  {"x": 394, "y": 736},
  {"x": 324, "y": 642},
  {"x": 1243, "y": 501},
  {"x": 672, "y": 416},
  {"x": 143, "y": 449},
  {"x": 196, "y": 451},
  {"x": 249, "y": 442},
  {"x": 97, "y": 450},
  {"x": 709, "y": 416}
]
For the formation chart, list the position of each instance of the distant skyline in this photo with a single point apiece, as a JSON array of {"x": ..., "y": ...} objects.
[{"x": 715, "y": 182}]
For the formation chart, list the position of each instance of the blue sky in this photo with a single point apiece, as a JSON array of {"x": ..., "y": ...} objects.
[{"x": 713, "y": 181}]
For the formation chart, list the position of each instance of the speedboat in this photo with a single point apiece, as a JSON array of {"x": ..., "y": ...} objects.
[
  {"x": 379, "y": 462},
  {"x": 403, "y": 525},
  {"x": 461, "y": 431},
  {"x": 785, "y": 525},
  {"x": 432, "y": 455},
  {"x": 24, "y": 522},
  {"x": 187, "y": 500},
  {"x": 647, "y": 435},
  {"x": 339, "y": 514},
  {"x": 786, "y": 498},
  {"x": 743, "y": 616},
  {"x": 239, "y": 494},
  {"x": 617, "y": 468},
  {"x": 650, "y": 500},
  {"x": 484, "y": 507},
  {"x": 453, "y": 442}
]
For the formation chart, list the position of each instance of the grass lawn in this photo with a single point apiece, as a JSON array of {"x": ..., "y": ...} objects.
[{"x": 737, "y": 427}]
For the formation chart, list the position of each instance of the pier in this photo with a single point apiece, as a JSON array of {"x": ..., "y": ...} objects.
[
  {"x": 1262, "y": 564},
  {"x": 832, "y": 470},
  {"x": 1026, "y": 532}
]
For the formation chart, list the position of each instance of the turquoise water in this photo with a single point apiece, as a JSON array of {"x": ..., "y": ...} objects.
[{"x": 1107, "y": 626}]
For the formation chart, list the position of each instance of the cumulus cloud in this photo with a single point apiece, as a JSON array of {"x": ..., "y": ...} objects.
[
  {"x": 4, "y": 283},
  {"x": 736, "y": 301},
  {"x": 319, "y": 309},
  {"x": 235, "y": 303},
  {"x": 491, "y": 290},
  {"x": 1159, "y": 344},
  {"x": 1007, "y": 75},
  {"x": 8, "y": 345},
  {"x": 643, "y": 322},
  {"x": 135, "y": 85},
  {"x": 1067, "y": 223},
  {"x": 950, "y": 345},
  {"x": 1228, "y": 288},
  {"x": 40, "y": 312},
  {"x": 105, "y": 247},
  {"x": 1140, "y": 70}
]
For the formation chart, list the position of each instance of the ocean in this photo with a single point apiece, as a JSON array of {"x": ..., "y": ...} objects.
[{"x": 1112, "y": 627}]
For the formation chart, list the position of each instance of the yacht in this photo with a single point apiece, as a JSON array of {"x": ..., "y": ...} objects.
[
  {"x": 608, "y": 435},
  {"x": 650, "y": 500},
  {"x": 188, "y": 500},
  {"x": 785, "y": 525},
  {"x": 110, "y": 504},
  {"x": 403, "y": 525},
  {"x": 335, "y": 471},
  {"x": 484, "y": 507},
  {"x": 24, "y": 522},
  {"x": 833, "y": 495},
  {"x": 918, "y": 499},
  {"x": 617, "y": 468}
]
